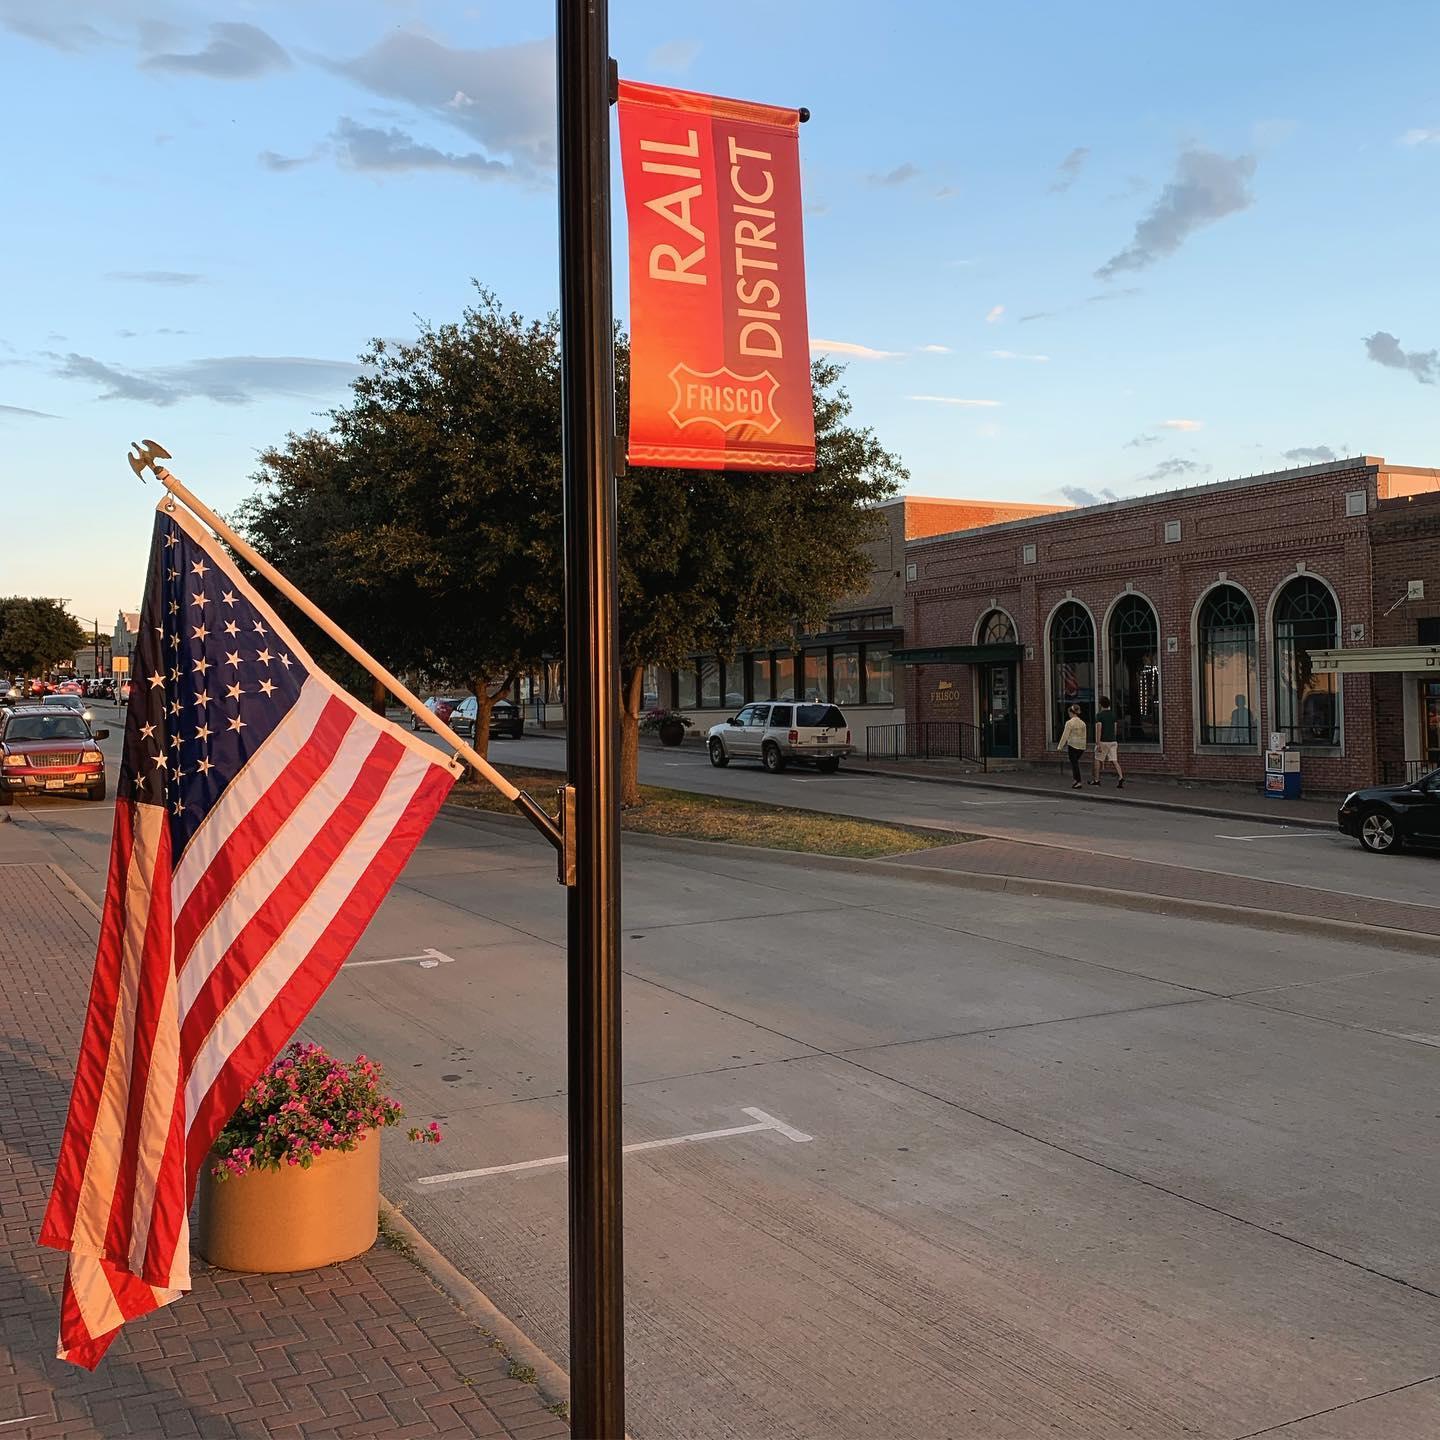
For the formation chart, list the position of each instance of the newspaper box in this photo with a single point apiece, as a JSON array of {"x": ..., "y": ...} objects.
[{"x": 1282, "y": 771}]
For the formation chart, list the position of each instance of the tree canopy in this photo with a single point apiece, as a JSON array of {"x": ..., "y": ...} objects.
[
  {"x": 427, "y": 519},
  {"x": 36, "y": 634}
]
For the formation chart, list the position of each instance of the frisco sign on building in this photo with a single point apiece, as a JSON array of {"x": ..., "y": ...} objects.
[{"x": 1213, "y": 616}]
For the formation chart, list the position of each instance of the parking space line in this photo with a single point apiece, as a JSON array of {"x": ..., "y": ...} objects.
[
  {"x": 1285, "y": 835},
  {"x": 426, "y": 959},
  {"x": 763, "y": 1121}
]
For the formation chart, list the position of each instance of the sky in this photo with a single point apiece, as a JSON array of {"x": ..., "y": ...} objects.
[{"x": 1065, "y": 252}]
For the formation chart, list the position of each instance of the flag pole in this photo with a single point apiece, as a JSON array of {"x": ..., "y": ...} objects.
[
  {"x": 592, "y": 713},
  {"x": 149, "y": 457}
]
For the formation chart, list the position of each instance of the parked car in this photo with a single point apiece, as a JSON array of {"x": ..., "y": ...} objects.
[
  {"x": 70, "y": 687},
  {"x": 505, "y": 718},
  {"x": 69, "y": 702},
  {"x": 49, "y": 748},
  {"x": 810, "y": 732},
  {"x": 11, "y": 691},
  {"x": 440, "y": 706},
  {"x": 1386, "y": 817}
]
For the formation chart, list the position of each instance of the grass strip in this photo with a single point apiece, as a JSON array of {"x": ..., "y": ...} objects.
[{"x": 717, "y": 817}]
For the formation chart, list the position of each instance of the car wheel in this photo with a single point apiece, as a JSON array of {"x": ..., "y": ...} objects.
[
  {"x": 96, "y": 792},
  {"x": 774, "y": 760},
  {"x": 828, "y": 766},
  {"x": 718, "y": 758},
  {"x": 1378, "y": 832}
]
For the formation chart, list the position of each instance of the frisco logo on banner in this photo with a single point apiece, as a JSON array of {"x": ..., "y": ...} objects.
[{"x": 719, "y": 343}]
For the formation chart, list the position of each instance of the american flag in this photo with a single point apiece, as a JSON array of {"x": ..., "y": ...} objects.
[{"x": 261, "y": 817}]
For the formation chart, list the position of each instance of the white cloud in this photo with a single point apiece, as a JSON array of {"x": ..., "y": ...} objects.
[
  {"x": 994, "y": 314},
  {"x": 934, "y": 349},
  {"x": 854, "y": 351},
  {"x": 961, "y": 401},
  {"x": 1016, "y": 355},
  {"x": 1420, "y": 137},
  {"x": 1182, "y": 424}
]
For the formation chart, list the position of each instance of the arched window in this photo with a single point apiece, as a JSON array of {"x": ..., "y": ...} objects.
[
  {"x": 997, "y": 629},
  {"x": 1306, "y": 708},
  {"x": 1135, "y": 670},
  {"x": 1225, "y": 655},
  {"x": 1072, "y": 665}
]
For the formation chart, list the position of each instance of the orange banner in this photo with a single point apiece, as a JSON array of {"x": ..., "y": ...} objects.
[{"x": 719, "y": 344}]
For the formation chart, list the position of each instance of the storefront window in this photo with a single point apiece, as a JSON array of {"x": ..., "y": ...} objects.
[
  {"x": 1306, "y": 702},
  {"x": 1225, "y": 655},
  {"x": 845, "y": 667},
  {"x": 1072, "y": 665},
  {"x": 817, "y": 680},
  {"x": 1135, "y": 670},
  {"x": 686, "y": 695},
  {"x": 650, "y": 689},
  {"x": 879, "y": 676},
  {"x": 709, "y": 668},
  {"x": 734, "y": 673},
  {"x": 761, "y": 680},
  {"x": 784, "y": 686}
]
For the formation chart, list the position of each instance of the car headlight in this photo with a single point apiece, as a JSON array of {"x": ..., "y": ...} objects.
[
  {"x": 1346, "y": 801},
  {"x": 15, "y": 761},
  {"x": 92, "y": 757}
]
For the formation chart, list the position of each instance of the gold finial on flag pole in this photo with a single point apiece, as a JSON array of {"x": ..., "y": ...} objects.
[{"x": 147, "y": 455}]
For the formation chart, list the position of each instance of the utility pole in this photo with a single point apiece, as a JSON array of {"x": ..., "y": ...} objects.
[{"x": 592, "y": 679}]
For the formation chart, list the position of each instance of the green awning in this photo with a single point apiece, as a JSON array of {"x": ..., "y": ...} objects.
[{"x": 959, "y": 654}]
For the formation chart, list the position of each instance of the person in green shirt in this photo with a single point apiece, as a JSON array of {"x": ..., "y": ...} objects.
[{"x": 1107, "y": 747}]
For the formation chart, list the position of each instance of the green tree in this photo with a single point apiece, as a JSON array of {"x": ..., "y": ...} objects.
[
  {"x": 426, "y": 520},
  {"x": 724, "y": 561},
  {"x": 35, "y": 635}
]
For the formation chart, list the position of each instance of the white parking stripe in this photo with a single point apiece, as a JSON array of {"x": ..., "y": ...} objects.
[{"x": 763, "y": 1121}]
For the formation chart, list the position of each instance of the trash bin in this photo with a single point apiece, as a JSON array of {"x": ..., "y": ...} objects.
[{"x": 1282, "y": 774}]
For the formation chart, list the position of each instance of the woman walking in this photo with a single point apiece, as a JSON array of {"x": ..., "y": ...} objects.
[{"x": 1072, "y": 742}]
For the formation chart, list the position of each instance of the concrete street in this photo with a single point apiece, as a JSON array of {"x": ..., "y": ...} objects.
[{"x": 947, "y": 1163}]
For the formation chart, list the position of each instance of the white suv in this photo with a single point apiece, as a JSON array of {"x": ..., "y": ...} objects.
[{"x": 811, "y": 732}]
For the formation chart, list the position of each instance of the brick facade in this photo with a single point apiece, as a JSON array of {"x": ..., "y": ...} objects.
[{"x": 1255, "y": 533}]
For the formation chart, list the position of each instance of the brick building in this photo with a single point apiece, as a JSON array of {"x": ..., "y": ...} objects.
[
  {"x": 847, "y": 660},
  {"x": 1212, "y": 615}
]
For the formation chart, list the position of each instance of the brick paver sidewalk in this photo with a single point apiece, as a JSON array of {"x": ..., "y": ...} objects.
[
  {"x": 1023, "y": 861},
  {"x": 368, "y": 1348}
]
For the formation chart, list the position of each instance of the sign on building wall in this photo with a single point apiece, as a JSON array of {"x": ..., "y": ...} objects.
[{"x": 719, "y": 342}]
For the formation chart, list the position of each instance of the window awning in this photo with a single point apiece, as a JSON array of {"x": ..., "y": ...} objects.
[
  {"x": 1378, "y": 660},
  {"x": 958, "y": 654}
]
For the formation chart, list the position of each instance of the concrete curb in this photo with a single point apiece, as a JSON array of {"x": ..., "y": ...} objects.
[
  {"x": 550, "y": 1379},
  {"x": 1285, "y": 922}
]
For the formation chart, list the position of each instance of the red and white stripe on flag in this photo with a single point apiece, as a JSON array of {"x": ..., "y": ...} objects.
[{"x": 255, "y": 837}]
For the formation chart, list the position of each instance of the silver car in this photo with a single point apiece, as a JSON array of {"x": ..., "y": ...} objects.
[{"x": 811, "y": 732}]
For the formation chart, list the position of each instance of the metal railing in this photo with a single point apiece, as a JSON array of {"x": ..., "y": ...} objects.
[
  {"x": 1403, "y": 772},
  {"x": 927, "y": 740}
]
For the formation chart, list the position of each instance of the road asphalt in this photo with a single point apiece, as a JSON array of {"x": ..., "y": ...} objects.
[{"x": 923, "y": 1161}]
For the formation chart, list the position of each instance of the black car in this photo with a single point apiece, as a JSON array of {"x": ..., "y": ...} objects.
[
  {"x": 505, "y": 718},
  {"x": 1386, "y": 817}
]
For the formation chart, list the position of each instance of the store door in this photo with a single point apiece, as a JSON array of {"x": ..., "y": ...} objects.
[{"x": 997, "y": 710}]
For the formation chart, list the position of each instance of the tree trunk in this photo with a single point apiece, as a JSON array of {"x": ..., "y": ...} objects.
[
  {"x": 485, "y": 697},
  {"x": 632, "y": 691},
  {"x": 379, "y": 697}
]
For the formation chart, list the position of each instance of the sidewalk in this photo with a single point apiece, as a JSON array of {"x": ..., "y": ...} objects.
[
  {"x": 368, "y": 1348},
  {"x": 1153, "y": 793}
]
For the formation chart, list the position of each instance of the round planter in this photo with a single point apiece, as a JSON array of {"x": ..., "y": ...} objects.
[
  {"x": 672, "y": 732},
  {"x": 292, "y": 1218}
]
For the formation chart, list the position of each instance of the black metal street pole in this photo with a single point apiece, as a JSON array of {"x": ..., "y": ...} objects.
[{"x": 592, "y": 679}]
